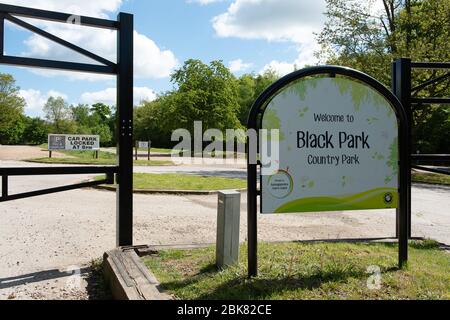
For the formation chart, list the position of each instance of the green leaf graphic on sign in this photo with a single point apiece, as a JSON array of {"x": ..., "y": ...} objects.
[
  {"x": 392, "y": 161},
  {"x": 377, "y": 156},
  {"x": 271, "y": 121},
  {"x": 301, "y": 87},
  {"x": 303, "y": 111},
  {"x": 361, "y": 93},
  {"x": 372, "y": 120},
  {"x": 393, "y": 156}
]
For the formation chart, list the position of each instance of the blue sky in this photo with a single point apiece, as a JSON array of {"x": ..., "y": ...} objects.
[{"x": 247, "y": 35}]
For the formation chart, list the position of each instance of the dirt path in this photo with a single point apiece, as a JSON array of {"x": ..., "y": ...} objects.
[{"x": 25, "y": 153}]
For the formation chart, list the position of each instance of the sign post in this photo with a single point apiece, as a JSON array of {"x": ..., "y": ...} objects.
[
  {"x": 341, "y": 139},
  {"x": 143, "y": 145}
]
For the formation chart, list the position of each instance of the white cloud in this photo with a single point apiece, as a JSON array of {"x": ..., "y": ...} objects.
[
  {"x": 280, "y": 67},
  {"x": 238, "y": 65},
  {"x": 150, "y": 60},
  {"x": 35, "y": 100},
  {"x": 108, "y": 96},
  {"x": 272, "y": 20},
  {"x": 305, "y": 57}
]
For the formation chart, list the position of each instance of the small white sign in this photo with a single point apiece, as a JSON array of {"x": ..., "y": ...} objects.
[
  {"x": 143, "y": 144},
  {"x": 73, "y": 142}
]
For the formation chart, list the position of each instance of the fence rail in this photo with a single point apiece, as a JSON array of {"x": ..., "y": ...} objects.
[{"x": 5, "y": 173}]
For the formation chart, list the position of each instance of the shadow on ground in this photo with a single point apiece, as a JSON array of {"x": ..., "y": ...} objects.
[
  {"x": 95, "y": 289},
  {"x": 259, "y": 288}
]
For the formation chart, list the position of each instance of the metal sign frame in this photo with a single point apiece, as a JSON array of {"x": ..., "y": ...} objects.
[
  {"x": 254, "y": 122},
  {"x": 123, "y": 69},
  {"x": 402, "y": 88}
]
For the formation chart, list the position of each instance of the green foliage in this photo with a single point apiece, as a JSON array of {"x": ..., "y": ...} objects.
[
  {"x": 97, "y": 119},
  {"x": 104, "y": 132},
  {"x": 81, "y": 115},
  {"x": 153, "y": 121},
  {"x": 11, "y": 111},
  {"x": 206, "y": 93},
  {"x": 203, "y": 92},
  {"x": 101, "y": 111},
  {"x": 249, "y": 89},
  {"x": 416, "y": 29},
  {"x": 57, "y": 112},
  {"x": 36, "y": 131}
]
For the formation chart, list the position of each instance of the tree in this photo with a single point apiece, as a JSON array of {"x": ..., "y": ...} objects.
[
  {"x": 81, "y": 115},
  {"x": 11, "y": 110},
  {"x": 57, "y": 112},
  {"x": 249, "y": 89},
  {"x": 36, "y": 131},
  {"x": 356, "y": 36},
  {"x": 152, "y": 121},
  {"x": 101, "y": 110},
  {"x": 206, "y": 93}
]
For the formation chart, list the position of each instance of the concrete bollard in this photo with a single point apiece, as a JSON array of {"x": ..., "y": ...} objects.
[{"x": 228, "y": 222}]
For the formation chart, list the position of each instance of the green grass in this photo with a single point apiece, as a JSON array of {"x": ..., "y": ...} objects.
[
  {"x": 183, "y": 182},
  {"x": 87, "y": 157},
  {"x": 157, "y": 150},
  {"x": 431, "y": 178},
  {"x": 292, "y": 271}
]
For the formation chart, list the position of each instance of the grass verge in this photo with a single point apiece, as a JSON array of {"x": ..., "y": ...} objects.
[
  {"x": 170, "y": 181},
  {"x": 431, "y": 178},
  {"x": 87, "y": 158},
  {"x": 291, "y": 271}
]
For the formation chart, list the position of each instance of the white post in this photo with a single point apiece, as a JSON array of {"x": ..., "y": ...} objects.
[{"x": 228, "y": 222}]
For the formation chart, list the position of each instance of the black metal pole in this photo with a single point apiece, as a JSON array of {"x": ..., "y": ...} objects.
[
  {"x": 252, "y": 202},
  {"x": 405, "y": 189},
  {"x": 2, "y": 35},
  {"x": 149, "y": 149},
  {"x": 125, "y": 130},
  {"x": 4, "y": 186},
  {"x": 401, "y": 87}
]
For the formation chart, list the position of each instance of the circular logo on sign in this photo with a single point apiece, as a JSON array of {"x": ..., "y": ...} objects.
[
  {"x": 388, "y": 198},
  {"x": 281, "y": 184}
]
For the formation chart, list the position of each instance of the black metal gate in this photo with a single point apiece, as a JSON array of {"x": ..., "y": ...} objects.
[
  {"x": 123, "y": 69},
  {"x": 402, "y": 88}
]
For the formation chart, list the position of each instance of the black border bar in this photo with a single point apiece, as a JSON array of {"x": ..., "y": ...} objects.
[
  {"x": 43, "y": 171},
  {"x": 58, "y": 16},
  {"x": 58, "y": 40},
  {"x": 59, "y": 65},
  {"x": 6, "y": 197}
]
